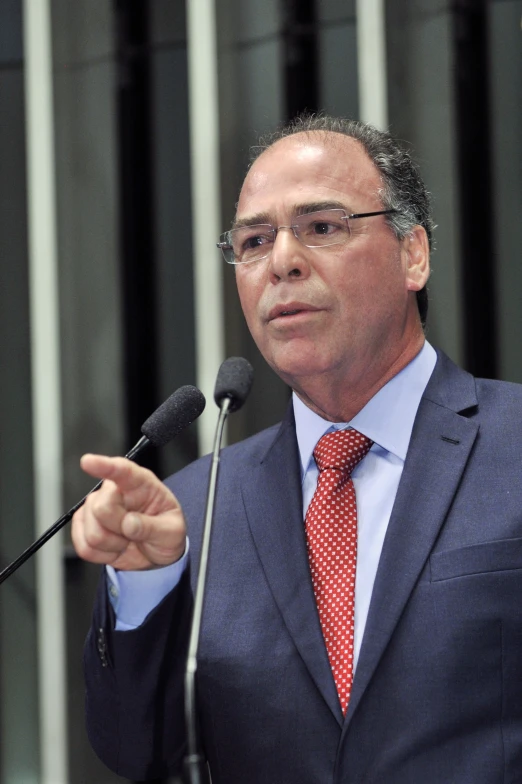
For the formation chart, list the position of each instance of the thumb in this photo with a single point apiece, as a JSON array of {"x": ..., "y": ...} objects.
[
  {"x": 132, "y": 527},
  {"x": 161, "y": 538}
]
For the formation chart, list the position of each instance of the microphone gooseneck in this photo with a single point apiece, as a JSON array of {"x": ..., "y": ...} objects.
[
  {"x": 233, "y": 384},
  {"x": 173, "y": 416}
]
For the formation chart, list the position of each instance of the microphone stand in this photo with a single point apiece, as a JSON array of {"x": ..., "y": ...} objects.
[
  {"x": 195, "y": 764},
  {"x": 63, "y": 520}
]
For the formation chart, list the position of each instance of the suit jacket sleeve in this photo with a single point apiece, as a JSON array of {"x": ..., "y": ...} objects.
[{"x": 135, "y": 681}]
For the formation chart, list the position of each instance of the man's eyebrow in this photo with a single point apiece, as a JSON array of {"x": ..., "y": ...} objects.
[
  {"x": 298, "y": 209},
  {"x": 251, "y": 220},
  {"x": 318, "y": 206}
]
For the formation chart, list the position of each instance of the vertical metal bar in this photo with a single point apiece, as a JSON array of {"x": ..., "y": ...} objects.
[
  {"x": 45, "y": 368},
  {"x": 206, "y": 208},
  {"x": 371, "y": 63}
]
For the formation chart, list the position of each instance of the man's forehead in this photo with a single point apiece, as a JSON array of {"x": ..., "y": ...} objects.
[{"x": 317, "y": 159}]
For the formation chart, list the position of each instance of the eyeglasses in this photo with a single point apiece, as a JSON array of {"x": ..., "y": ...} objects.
[{"x": 319, "y": 229}]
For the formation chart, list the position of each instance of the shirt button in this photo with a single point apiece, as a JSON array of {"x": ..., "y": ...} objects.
[{"x": 113, "y": 592}]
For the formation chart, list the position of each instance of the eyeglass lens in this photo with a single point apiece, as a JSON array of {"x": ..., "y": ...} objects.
[{"x": 316, "y": 229}]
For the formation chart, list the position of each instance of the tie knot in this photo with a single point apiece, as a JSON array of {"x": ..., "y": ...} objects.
[{"x": 341, "y": 449}]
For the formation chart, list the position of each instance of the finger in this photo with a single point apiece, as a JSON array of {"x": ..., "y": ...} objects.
[
  {"x": 133, "y": 560},
  {"x": 105, "y": 508},
  {"x": 161, "y": 538},
  {"x": 96, "y": 465},
  {"x": 141, "y": 490},
  {"x": 102, "y": 537},
  {"x": 84, "y": 549},
  {"x": 128, "y": 476}
]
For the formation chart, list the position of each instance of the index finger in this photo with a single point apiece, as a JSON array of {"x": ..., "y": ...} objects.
[{"x": 128, "y": 476}]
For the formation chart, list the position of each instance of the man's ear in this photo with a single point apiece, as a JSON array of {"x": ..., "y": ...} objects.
[{"x": 416, "y": 252}]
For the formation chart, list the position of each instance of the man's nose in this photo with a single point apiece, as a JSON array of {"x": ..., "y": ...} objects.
[{"x": 289, "y": 256}]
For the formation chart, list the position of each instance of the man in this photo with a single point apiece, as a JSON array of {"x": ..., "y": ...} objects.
[{"x": 421, "y": 680}]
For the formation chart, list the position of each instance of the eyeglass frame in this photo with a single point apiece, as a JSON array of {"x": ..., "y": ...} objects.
[{"x": 275, "y": 229}]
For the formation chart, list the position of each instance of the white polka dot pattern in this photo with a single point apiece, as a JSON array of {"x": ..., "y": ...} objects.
[{"x": 331, "y": 532}]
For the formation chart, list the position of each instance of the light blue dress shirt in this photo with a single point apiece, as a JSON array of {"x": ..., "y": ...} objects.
[{"x": 387, "y": 419}]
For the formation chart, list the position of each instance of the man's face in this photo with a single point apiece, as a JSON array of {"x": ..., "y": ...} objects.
[{"x": 351, "y": 306}]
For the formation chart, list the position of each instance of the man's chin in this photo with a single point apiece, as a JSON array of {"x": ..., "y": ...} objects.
[{"x": 297, "y": 366}]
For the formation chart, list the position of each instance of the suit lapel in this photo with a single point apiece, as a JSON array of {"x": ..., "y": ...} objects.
[
  {"x": 276, "y": 522},
  {"x": 439, "y": 449}
]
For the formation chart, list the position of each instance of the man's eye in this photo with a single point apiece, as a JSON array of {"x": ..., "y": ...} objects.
[
  {"x": 323, "y": 228},
  {"x": 254, "y": 241}
]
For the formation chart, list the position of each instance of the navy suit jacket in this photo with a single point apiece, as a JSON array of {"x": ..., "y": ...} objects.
[{"x": 437, "y": 694}]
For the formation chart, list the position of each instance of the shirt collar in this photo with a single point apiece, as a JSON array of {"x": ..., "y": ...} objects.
[{"x": 387, "y": 419}]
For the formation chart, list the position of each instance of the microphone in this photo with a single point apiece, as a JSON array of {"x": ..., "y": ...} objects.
[
  {"x": 233, "y": 384},
  {"x": 173, "y": 416},
  {"x": 234, "y": 381}
]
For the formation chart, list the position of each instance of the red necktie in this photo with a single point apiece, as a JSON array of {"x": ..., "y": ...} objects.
[{"x": 331, "y": 531}]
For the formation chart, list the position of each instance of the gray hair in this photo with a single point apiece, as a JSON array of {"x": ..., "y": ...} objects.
[{"x": 403, "y": 189}]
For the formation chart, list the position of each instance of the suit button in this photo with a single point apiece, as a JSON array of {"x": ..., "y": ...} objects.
[{"x": 101, "y": 644}]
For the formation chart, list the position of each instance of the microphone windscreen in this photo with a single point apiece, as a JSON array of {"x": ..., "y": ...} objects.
[
  {"x": 174, "y": 415},
  {"x": 234, "y": 380}
]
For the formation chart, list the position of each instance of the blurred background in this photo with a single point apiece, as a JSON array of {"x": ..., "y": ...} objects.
[{"x": 125, "y": 127}]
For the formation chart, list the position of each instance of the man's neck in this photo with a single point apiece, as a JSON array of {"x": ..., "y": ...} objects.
[{"x": 339, "y": 399}]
